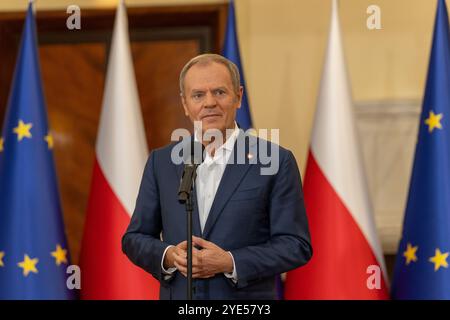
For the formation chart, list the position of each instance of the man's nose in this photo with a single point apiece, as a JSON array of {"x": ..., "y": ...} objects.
[{"x": 210, "y": 100}]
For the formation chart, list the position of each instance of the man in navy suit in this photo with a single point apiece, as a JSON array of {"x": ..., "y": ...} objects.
[{"x": 249, "y": 220}]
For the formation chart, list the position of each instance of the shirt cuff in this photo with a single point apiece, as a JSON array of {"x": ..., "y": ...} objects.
[
  {"x": 169, "y": 271},
  {"x": 232, "y": 275}
]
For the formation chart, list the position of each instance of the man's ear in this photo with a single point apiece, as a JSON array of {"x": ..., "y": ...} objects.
[
  {"x": 241, "y": 94},
  {"x": 183, "y": 102}
]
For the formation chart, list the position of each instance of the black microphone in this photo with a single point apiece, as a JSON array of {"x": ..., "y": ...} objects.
[{"x": 193, "y": 156}]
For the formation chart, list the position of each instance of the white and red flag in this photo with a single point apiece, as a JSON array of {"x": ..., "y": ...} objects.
[
  {"x": 344, "y": 239},
  {"x": 120, "y": 156}
]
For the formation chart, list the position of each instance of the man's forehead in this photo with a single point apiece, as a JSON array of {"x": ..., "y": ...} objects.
[{"x": 210, "y": 73}]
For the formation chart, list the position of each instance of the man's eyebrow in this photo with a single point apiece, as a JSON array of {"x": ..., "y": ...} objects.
[
  {"x": 213, "y": 89},
  {"x": 220, "y": 88},
  {"x": 197, "y": 91}
]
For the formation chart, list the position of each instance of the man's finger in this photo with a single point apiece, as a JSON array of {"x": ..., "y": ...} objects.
[
  {"x": 182, "y": 245},
  {"x": 196, "y": 270},
  {"x": 182, "y": 253},
  {"x": 202, "y": 242},
  {"x": 184, "y": 274},
  {"x": 180, "y": 268},
  {"x": 183, "y": 265},
  {"x": 196, "y": 262},
  {"x": 180, "y": 260},
  {"x": 197, "y": 258}
]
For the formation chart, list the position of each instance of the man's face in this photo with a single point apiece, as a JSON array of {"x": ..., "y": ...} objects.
[{"x": 209, "y": 96}]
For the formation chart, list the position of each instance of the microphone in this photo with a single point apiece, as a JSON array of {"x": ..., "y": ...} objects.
[{"x": 193, "y": 156}]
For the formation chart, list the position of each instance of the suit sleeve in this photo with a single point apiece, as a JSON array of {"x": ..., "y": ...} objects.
[
  {"x": 141, "y": 242},
  {"x": 289, "y": 245}
]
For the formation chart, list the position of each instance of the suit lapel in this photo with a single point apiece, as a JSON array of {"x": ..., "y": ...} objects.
[{"x": 232, "y": 177}]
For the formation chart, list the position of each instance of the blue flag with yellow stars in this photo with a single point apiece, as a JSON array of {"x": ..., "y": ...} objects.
[
  {"x": 33, "y": 247},
  {"x": 421, "y": 269},
  {"x": 231, "y": 52}
]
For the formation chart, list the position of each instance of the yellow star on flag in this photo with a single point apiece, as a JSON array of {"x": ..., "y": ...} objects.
[
  {"x": 2, "y": 254},
  {"x": 410, "y": 253},
  {"x": 433, "y": 121},
  {"x": 60, "y": 255},
  {"x": 1, "y": 144},
  {"x": 28, "y": 265},
  {"x": 49, "y": 139},
  {"x": 439, "y": 260},
  {"x": 23, "y": 130}
]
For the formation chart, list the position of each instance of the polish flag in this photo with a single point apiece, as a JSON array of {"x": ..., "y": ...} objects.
[
  {"x": 120, "y": 156},
  {"x": 347, "y": 262}
]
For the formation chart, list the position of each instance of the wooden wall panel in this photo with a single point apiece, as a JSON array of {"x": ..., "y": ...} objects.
[
  {"x": 73, "y": 77},
  {"x": 157, "y": 67}
]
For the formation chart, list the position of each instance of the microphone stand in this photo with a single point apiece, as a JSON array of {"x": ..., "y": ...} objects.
[
  {"x": 185, "y": 196},
  {"x": 189, "y": 209}
]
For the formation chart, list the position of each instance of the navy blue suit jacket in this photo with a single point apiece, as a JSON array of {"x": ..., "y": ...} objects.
[{"x": 259, "y": 218}]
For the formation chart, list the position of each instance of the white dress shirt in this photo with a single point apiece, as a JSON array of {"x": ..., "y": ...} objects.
[{"x": 209, "y": 175}]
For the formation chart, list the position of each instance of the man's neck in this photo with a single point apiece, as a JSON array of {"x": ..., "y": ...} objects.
[{"x": 211, "y": 145}]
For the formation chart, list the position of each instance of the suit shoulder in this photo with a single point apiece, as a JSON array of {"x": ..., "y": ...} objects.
[
  {"x": 272, "y": 146},
  {"x": 164, "y": 151}
]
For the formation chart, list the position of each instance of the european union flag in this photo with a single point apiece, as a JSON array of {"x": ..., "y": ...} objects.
[
  {"x": 231, "y": 51},
  {"x": 33, "y": 247},
  {"x": 421, "y": 269}
]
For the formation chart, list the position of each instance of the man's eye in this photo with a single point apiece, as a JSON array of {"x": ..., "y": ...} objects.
[
  {"x": 220, "y": 92},
  {"x": 197, "y": 95}
]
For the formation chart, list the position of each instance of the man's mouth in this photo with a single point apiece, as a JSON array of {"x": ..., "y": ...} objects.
[{"x": 211, "y": 116}]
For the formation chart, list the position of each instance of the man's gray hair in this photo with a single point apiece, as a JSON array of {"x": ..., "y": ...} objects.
[{"x": 207, "y": 58}]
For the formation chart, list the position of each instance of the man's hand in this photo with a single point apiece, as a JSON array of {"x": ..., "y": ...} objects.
[
  {"x": 173, "y": 253},
  {"x": 206, "y": 262}
]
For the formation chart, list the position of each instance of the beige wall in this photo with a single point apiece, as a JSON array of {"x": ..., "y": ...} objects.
[{"x": 283, "y": 43}]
